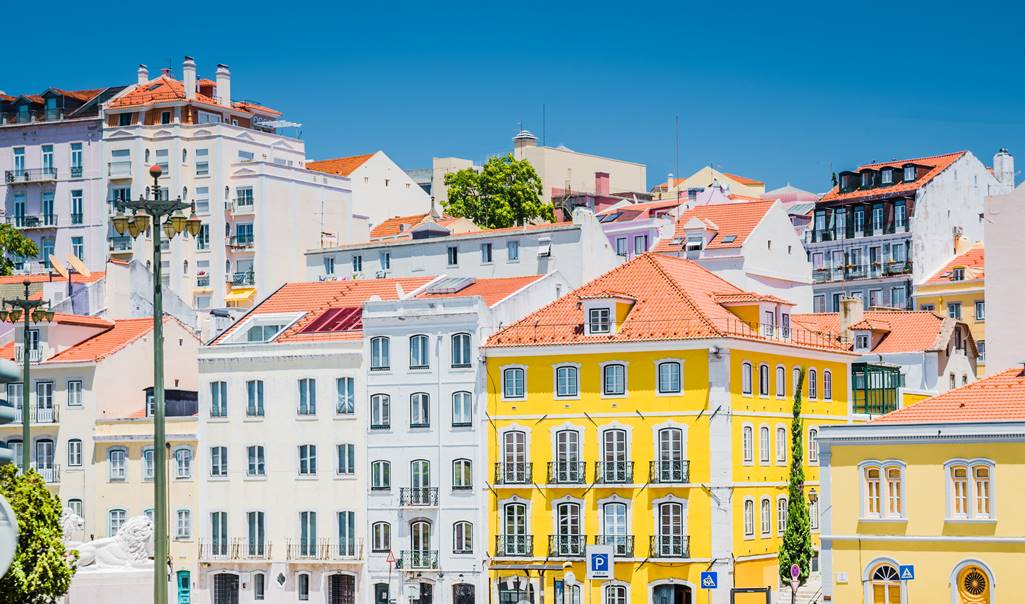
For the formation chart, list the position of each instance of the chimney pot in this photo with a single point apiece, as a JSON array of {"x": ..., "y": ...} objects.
[
  {"x": 189, "y": 77},
  {"x": 223, "y": 78},
  {"x": 601, "y": 183},
  {"x": 143, "y": 74}
]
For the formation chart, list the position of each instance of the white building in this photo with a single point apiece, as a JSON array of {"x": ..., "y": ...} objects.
[
  {"x": 1005, "y": 290},
  {"x": 380, "y": 188},
  {"x": 282, "y": 423},
  {"x": 579, "y": 250},
  {"x": 260, "y": 206},
  {"x": 53, "y": 189},
  {"x": 426, "y": 442}
]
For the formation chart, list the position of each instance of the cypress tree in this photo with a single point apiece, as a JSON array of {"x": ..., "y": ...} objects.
[{"x": 796, "y": 547}]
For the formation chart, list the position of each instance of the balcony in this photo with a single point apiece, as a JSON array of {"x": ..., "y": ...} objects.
[
  {"x": 417, "y": 560},
  {"x": 120, "y": 245},
  {"x": 670, "y": 546},
  {"x": 27, "y": 221},
  {"x": 325, "y": 551},
  {"x": 241, "y": 205},
  {"x": 566, "y": 546},
  {"x": 243, "y": 279},
  {"x": 120, "y": 169},
  {"x": 898, "y": 268},
  {"x": 418, "y": 497},
  {"x": 51, "y": 473},
  {"x": 202, "y": 280},
  {"x": 669, "y": 471},
  {"x": 12, "y": 177},
  {"x": 514, "y": 473},
  {"x": 76, "y": 171},
  {"x": 35, "y": 355},
  {"x": 216, "y": 551},
  {"x": 514, "y": 546},
  {"x": 77, "y": 218},
  {"x": 241, "y": 243},
  {"x": 39, "y": 415},
  {"x": 623, "y": 545},
  {"x": 566, "y": 472},
  {"x": 614, "y": 472}
]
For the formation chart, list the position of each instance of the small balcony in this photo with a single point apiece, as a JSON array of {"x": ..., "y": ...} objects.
[
  {"x": 898, "y": 268},
  {"x": 669, "y": 471},
  {"x": 39, "y": 415},
  {"x": 324, "y": 551},
  {"x": 622, "y": 545},
  {"x": 566, "y": 472},
  {"x": 51, "y": 473},
  {"x": 202, "y": 281},
  {"x": 614, "y": 472},
  {"x": 566, "y": 546},
  {"x": 120, "y": 169},
  {"x": 514, "y": 546},
  {"x": 241, "y": 243},
  {"x": 216, "y": 551},
  {"x": 514, "y": 473},
  {"x": 76, "y": 171},
  {"x": 33, "y": 175},
  {"x": 417, "y": 560},
  {"x": 243, "y": 549},
  {"x": 243, "y": 279},
  {"x": 33, "y": 221},
  {"x": 241, "y": 205},
  {"x": 670, "y": 546},
  {"x": 422, "y": 497},
  {"x": 119, "y": 245}
]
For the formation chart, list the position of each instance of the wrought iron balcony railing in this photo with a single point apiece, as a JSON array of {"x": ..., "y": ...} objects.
[
  {"x": 566, "y": 546},
  {"x": 325, "y": 550},
  {"x": 614, "y": 472},
  {"x": 417, "y": 559},
  {"x": 668, "y": 471},
  {"x": 418, "y": 497},
  {"x": 514, "y": 546},
  {"x": 670, "y": 546},
  {"x": 516, "y": 472},
  {"x": 566, "y": 472},
  {"x": 623, "y": 545},
  {"x": 30, "y": 175}
]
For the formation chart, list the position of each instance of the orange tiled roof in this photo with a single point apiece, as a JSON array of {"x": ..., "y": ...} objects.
[
  {"x": 937, "y": 163},
  {"x": 81, "y": 95},
  {"x": 749, "y": 298},
  {"x": 742, "y": 179},
  {"x": 997, "y": 398},
  {"x": 313, "y": 298},
  {"x": 643, "y": 209},
  {"x": 675, "y": 299},
  {"x": 396, "y": 225},
  {"x": 906, "y": 330},
  {"x": 117, "y": 335},
  {"x": 45, "y": 277},
  {"x": 729, "y": 219},
  {"x": 7, "y": 351},
  {"x": 167, "y": 89},
  {"x": 973, "y": 260},
  {"x": 492, "y": 291},
  {"x": 343, "y": 166}
]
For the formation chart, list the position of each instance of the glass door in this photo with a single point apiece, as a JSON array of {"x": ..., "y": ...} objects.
[
  {"x": 614, "y": 444},
  {"x": 515, "y": 456}
]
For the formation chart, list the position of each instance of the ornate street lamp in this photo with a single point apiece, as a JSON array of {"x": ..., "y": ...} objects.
[
  {"x": 174, "y": 223},
  {"x": 32, "y": 311}
]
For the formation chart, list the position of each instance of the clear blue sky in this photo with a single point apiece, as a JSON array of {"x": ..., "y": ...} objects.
[{"x": 779, "y": 93}]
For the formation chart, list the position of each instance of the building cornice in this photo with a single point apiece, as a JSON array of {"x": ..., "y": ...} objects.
[{"x": 876, "y": 434}]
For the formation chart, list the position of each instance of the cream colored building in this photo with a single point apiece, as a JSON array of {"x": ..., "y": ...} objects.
[{"x": 704, "y": 178}]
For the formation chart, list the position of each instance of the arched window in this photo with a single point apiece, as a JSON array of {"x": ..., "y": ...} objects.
[
  {"x": 813, "y": 446},
  {"x": 672, "y": 466},
  {"x": 615, "y": 467},
  {"x": 381, "y": 536},
  {"x": 420, "y": 474},
  {"x": 615, "y": 528},
  {"x": 764, "y": 446},
  {"x": 380, "y": 412},
  {"x": 894, "y": 492},
  {"x": 514, "y": 540},
  {"x": 419, "y": 346},
  {"x": 781, "y": 381},
  {"x": 613, "y": 379},
  {"x": 380, "y": 476},
  {"x": 462, "y": 474},
  {"x": 763, "y": 380},
  {"x": 747, "y": 443},
  {"x": 813, "y": 384},
  {"x": 115, "y": 519},
  {"x": 513, "y": 379},
  {"x": 781, "y": 515},
  {"x": 420, "y": 410},
  {"x": 420, "y": 536},
  {"x": 567, "y": 381},
  {"x": 462, "y": 409},
  {"x": 303, "y": 586},
  {"x": 745, "y": 379},
  {"x": 670, "y": 380},
  {"x": 462, "y": 538},
  {"x": 568, "y": 467},
  {"x": 781, "y": 445},
  {"x": 766, "y": 510},
  {"x": 885, "y": 585},
  {"x": 827, "y": 385},
  {"x": 75, "y": 452},
  {"x": 380, "y": 357},
  {"x": 749, "y": 518},
  {"x": 461, "y": 350},
  {"x": 568, "y": 539},
  {"x": 615, "y": 594},
  {"x": 670, "y": 540},
  {"x": 515, "y": 468}
]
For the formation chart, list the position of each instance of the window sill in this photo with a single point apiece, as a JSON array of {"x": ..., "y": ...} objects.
[
  {"x": 218, "y": 419},
  {"x": 380, "y": 369},
  {"x": 623, "y": 395},
  {"x": 305, "y": 417},
  {"x": 669, "y": 393},
  {"x": 970, "y": 520},
  {"x": 884, "y": 520},
  {"x": 421, "y": 427},
  {"x": 253, "y": 418},
  {"x": 345, "y": 416},
  {"x": 380, "y": 429},
  {"x": 516, "y": 399},
  {"x": 458, "y": 426},
  {"x": 420, "y": 369},
  {"x": 568, "y": 398},
  {"x": 345, "y": 476},
  {"x": 380, "y": 491},
  {"x": 218, "y": 478},
  {"x": 306, "y": 477}
]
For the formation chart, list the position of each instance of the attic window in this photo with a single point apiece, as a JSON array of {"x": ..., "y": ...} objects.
[
  {"x": 957, "y": 274},
  {"x": 866, "y": 179},
  {"x": 909, "y": 173},
  {"x": 544, "y": 248},
  {"x": 599, "y": 320},
  {"x": 610, "y": 217},
  {"x": 695, "y": 243},
  {"x": 729, "y": 239},
  {"x": 862, "y": 342},
  {"x": 153, "y": 87},
  {"x": 887, "y": 176}
]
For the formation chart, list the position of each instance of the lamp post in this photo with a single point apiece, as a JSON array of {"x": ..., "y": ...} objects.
[
  {"x": 147, "y": 212},
  {"x": 14, "y": 309}
]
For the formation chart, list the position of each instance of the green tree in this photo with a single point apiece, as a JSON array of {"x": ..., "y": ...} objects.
[
  {"x": 797, "y": 547},
  {"x": 506, "y": 192},
  {"x": 41, "y": 572},
  {"x": 13, "y": 243}
]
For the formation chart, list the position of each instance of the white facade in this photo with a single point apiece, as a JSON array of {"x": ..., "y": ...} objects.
[
  {"x": 580, "y": 251},
  {"x": 381, "y": 189},
  {"x": 1005, "y": 289}
]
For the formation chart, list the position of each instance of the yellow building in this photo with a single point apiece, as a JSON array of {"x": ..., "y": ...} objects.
[
  {"x": 958, "y": 290},
  {"x": 933, "y": 486},
  {"x": 649, "y": 410}
]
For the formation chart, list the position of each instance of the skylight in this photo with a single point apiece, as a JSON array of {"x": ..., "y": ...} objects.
[
  {"x": 729, "y": 239},
  {"x": 334, "y": 320},
  {"x": 450, "y": 285}
]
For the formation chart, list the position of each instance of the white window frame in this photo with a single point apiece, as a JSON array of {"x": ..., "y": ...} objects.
[
  {"x": 884, "y": 495},
  {"x": 749, "y": 518},
  {"x": 764, "y": 445},
  {"x": 523, "y": 385},
  {"x": 658, "y": 377},
  {"x": 746, "y": 378},
  {"x": 782, "y": 445},
  {"x": 575, "y": 367},
  {"x": 747, "y": 437},
  {"x": 972, "y": 514},
  {"x": 781, "y": 381},
  {"x": 626, "y": 380},
  {"x": 765, "y": 515}
]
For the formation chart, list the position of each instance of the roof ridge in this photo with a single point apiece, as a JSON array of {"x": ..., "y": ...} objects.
[
  {"x": 914, "y": 159},
  {"x": 687, "y": 298}
]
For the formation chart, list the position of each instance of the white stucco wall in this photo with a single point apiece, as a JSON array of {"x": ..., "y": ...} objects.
[
  {"x": 381, "y": 190},
  {"x": 1005, "y": 289}
]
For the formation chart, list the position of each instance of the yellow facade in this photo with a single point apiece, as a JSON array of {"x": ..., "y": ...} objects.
[
  {"x": 715, "y": 488},
  {"x": 960, "y": 555},
  {"x": 964, "y": 295}
]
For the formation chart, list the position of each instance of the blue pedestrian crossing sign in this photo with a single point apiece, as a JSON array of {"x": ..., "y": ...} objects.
[
  {"x": 709, "y": 579},
  {"x": 906, "y": 572}
]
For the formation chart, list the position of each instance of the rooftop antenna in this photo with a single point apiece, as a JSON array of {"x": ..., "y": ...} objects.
[
  {"x": 676, "y": 164},
  {"x": 544, "y": 139}
]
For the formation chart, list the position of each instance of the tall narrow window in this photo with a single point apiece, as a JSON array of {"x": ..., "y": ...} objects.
[
  {"x": 764, "y": 447},
  {"x": 419, "y": 410},
  {"x": 763, "y": 380},
  {"x": 781, "y": 381},
  {"x": 894, "y": 494},
  {"x": 183, "y": 524},
  {"x": 380, "y": 412},
  {"x": 959, "y": 491},
  {"x": 982, "y": 496},
  {"x": 346, "y": 459},
  {"x": 781, "y": 515},
  {"x": 380, "y": 476},
  {"x": 219, "y": 462},
  {"x": 671, "y": 464},
  {"x": 74, "y": 452},
  {"x": 515, "y": 469},
  {"x": 307, "y": 533},
  {"x": 766, "y": 510},
  {"x": 747, "y": 443},
  {"x": 381, "y": 537},
  {"x": 781, "y": 445},
  {"x": 257, "y": 532},
  {"x": 873, "y": 486},
  {"x": 568, "y": 467},
  {"x": 117, "y": 460},
  {"x": 183, "y": 464},
  {"x": 255, "y": 462},
  {"x": 749, "y": 518},
  {"x": 254, "y": 398},
  {"x": 461, "y": 350},
  {"x": 345, "y": 397},
  {"x": 745, "y": 379},
  {"x": 827, "y": 385},
  {"x": 670, "y": 540},
  {"x": 218, "y": 399},
  {"x": 615, "y": 529},
  {"x": 307, "y": 460},
  {"x": 418, "y": 352},
  {"x": 669, "y": 378},
  {"x": 813, "y": 384},
  {"x": 379, "y": 354},
  {"x": 307, "y": 396},
  {"x": 347, "y": 533},
  {"x": 462, "y": 538},
  {"x": 568, "y": 540},
  {"x": 462, "y": 409},
  {"x": 513, "y": 382},
  {"x": 462, "y": 474},
  {"x": 813, "y": 446},
  {"x": 219, "y": 533},
  {"x": 514, "y": 539}
]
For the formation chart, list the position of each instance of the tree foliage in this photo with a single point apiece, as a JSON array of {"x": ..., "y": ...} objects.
[
  {"x": 797, "y": 547},
  {"x": 13, "y": 243},
  {"x": 40, "y": 572},
  {"x": 506, "y": 192}
]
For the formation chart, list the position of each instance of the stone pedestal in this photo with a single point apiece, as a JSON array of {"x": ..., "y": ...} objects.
[{"x": 106, "y": 585}]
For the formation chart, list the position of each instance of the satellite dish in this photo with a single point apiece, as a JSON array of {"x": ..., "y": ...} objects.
[
  {"x": 57, "y": 266},
  {"x": 78, "y": 265}
]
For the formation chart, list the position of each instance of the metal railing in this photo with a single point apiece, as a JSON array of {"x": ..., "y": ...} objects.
[
  {"x": 202, "y": 280},
  {"x": 623, "y": 545},
  {"x": 35, "y": 355},
  {"x": 614, "y": 472},
  {"x": 669, "y": 471},
  {"x": 566, "y": 546},
  {"x": 417, "y": 559},
  {"x": 236, "y": 549},
  {"x": 242, "y": 279},
  {"x": 325, "y": 550},
  {"x": 76, "y": 171},
  {"x": 120, "y": 244},
  {"x": 77, "y": 218},
  {"x": 517, "y": 472},
  {"x": 33, "y": 221},
  {"x": 670, "y": 546},
  {"x": 898, "y": 268},
  {"x": 51, "y": 473},
  {"x": 217, "y": 550},
  {"x": 242, "y": 205},
  {"x": 418, "y": 497},
  {"x": 241, "y": 243},
  {"x": 514, "y": 546},
  {"x": 30, "y": 175},
  {"x": 566, "y": 472}
]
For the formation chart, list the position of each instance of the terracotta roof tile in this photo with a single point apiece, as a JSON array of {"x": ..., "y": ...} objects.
[
  {"x": 973, "y": 260},
  {"x": 343, "y": 166},
  {"x": 906, "y": 330},
  {"x": 116, "y": 336},
  {"x": 937, "y": 164},
  {"x": 742, "y": 179},
  {"x": 7, "y": 351},
  {"x": 738, "y": 219},
  {"x": 997, "y": 398},
  {"x": 167, "y": 89},
  {"x": 45, "y": 277},
  {"x": 492, "y": 291},
  {"x": 82, "y": 320},
  {"x": 675, "y": 299}
]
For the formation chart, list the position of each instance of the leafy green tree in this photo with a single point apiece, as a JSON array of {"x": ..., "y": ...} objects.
[
  {"x": 797, "y": 547},
  {"x": 506, "y": 192},
  {"x": 13, "y": 243},
  {"x": 41, "y": 572}
]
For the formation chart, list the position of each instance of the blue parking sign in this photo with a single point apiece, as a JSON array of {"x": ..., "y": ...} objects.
[
  {"x": 709, "y": 579},
  {"x": 906, "y": 572}
]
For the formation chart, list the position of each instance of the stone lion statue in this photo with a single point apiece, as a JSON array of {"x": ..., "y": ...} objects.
[
  {"x": 128, "y": 549},
  {"x": 70, "y": 524}
]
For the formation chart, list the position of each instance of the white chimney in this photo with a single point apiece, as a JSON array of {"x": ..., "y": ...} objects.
[
  {"x": 1003, "y": 169},
  {"x": 189, "y": 77},
  {"x": 852, "y": 310},
  {"x": 143, "y": 74},
  {"x": 223, "y": 85}
]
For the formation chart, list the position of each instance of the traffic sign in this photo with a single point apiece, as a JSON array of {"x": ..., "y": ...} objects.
[
  {"x": 600, "y": 560},
  {"x": 906, "y": 572},
  {"x": 709, "y": 579},
  {"x": 390, "y": 559},
  {"x": 795, "y": 571}
]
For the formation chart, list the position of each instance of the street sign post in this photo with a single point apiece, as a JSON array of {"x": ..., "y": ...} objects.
[
  {"x": 600, "y": 561},
  {"x": 709, "y": 579},
  {"x": 906, "y": 572},
  {"x": 795, "y": 571}
]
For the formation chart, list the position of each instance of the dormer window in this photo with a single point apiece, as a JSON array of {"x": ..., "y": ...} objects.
[
  {"x": 695, "y": 243},
  {"x": 957, "y": 274},
  {"x": 599, "y": 321},
  {"x": 866, "y": 180},
  {"x": 862, "y": 342},
  {"x": 909, "y": 173},
  {"x": 886, "y": 177},
  {"x": 845, "y": 183}
]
